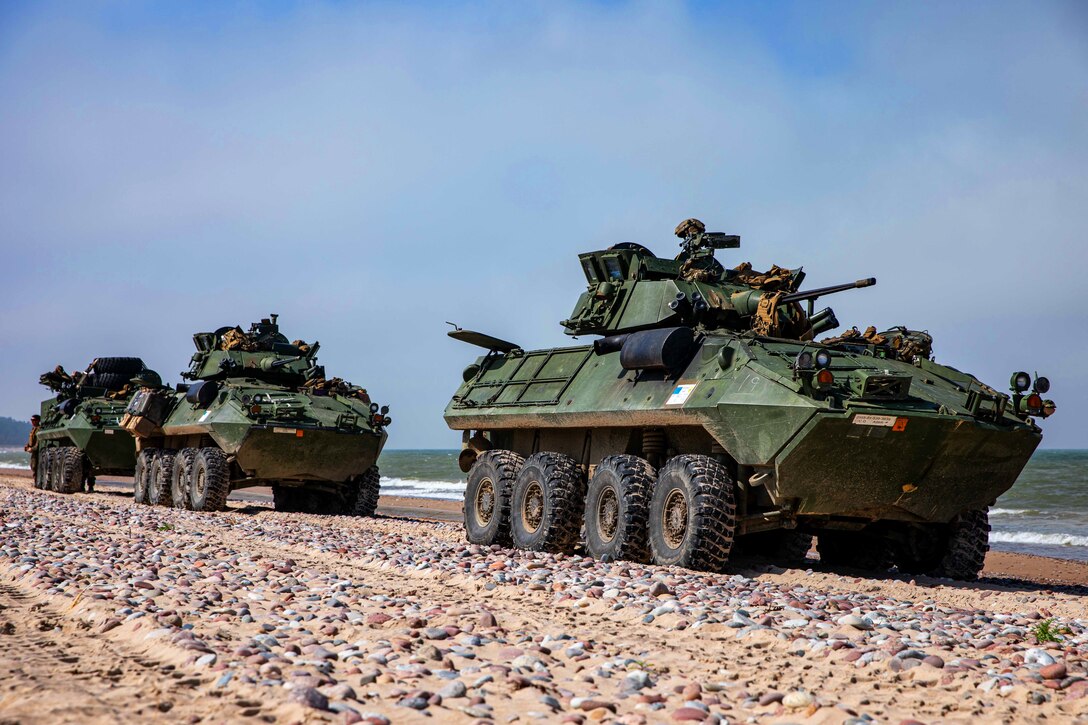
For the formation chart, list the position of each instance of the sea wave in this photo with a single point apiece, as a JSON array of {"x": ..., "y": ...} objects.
[
  {"x": 392, "y": 486},
  {"x": 17, "y": 466},
  {"x": 1032, "y": 537},
  {"x": 1014, "y": 512}
]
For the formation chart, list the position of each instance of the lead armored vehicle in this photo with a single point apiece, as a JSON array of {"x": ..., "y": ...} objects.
[
  {"x": 80, "y": 435},
  {"x": 704, "y": 419},
  {"x": 258, "y": 411}
]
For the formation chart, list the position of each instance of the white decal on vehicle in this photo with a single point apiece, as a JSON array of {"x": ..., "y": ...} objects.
[{"x": 680, "y": 394}]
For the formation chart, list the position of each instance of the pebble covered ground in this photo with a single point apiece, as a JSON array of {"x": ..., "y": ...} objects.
[{"x": 290, "y": 617}]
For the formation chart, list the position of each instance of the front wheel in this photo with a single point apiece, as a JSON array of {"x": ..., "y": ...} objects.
[
  {"x": 618, "y": 508},
  {"x": 363, "y": 494},
  {"x": 71, "y": 470},
  {"x": 487, "y": 497},
  {"x": 158, "y": 485},
  {"x": 968, "y": 542},
  {"x": 41, "y": 470},
  {"x": 547, "y": 504},
  {"x": 693, "y": 514}
]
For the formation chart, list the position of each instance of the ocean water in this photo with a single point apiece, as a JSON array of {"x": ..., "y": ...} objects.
[{"x": 1045, "y": 513}]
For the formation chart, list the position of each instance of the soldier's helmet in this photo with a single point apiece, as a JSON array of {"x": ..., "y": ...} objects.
[
  {"x": 689, "y": 228},
  {"x": 147, "y": 379}
]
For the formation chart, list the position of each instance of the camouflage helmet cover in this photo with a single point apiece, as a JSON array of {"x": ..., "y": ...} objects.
[
  {"x": 147, "y": 379},
  {"x": 689, "y": 228}
]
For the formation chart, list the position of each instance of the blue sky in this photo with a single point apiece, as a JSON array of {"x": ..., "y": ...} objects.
[{"x": 371, "y": 170}]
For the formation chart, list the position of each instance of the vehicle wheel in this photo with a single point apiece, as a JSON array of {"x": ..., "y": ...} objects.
[
  {"x": 618, "y": 509},
  {"x": 71, "y": 470},
  {"x": 363, "y": 493},
  {"x": 210, "y": 480},
  {"x": 141, "y": 477},
  {"x": 56, "y": 471},
  {"x": 692, "y": 514},
  {"x": 788, "y": 547},
  {"x": 487, "y": 497},
  {"x": 41, "y": 473},
  {"x": 547, "y": 503},
  {"x": 285, "y": 499},
  {"x": 45, "y": 466},
  {"x": 127, "y": 366},
  {"x": 181, "y": 478},
  {"x": 109, "y": 381},
  {"x": 158, "y": 483},
  {"x": 968, "y": 542},
  {"x": 857, "y": 549}
]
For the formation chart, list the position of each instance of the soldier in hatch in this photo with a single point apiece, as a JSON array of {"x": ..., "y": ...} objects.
[{"x": 31, "y": 446}]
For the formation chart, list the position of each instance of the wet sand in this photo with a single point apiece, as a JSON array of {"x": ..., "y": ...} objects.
[{"x": 111, "y": 612}]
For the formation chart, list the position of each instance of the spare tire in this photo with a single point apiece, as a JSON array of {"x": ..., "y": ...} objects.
[
  {"x": 109, "y": 381},
  {"x": 127, "y": 366}
]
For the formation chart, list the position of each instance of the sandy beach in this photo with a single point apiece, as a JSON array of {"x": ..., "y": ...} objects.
[{"x": 115, "y": 613}]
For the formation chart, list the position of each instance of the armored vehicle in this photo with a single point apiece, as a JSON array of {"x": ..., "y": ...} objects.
[
  {"x": 80, "y": 434},
  {"x": 705, "y": 419},
  {"x": 258, "y": 411}
]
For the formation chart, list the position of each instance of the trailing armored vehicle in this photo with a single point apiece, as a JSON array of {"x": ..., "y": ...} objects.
[
  {"x": 705, "y": 419},
  {"x": 258, "y": 412},
  {"x": 80, "y": 435}
]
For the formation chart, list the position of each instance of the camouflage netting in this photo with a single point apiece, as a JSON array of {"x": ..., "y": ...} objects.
[
  {"x": 776, "y": 278},
  {"x": 336, "y": 386},
  {"x": 906, "y": 344},
  {"x": 236, "y": 339}
]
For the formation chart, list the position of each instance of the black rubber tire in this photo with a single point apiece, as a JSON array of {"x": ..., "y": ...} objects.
[
  {"x": 45, "y": 466},
  {"x": 285, "y": 499},
  {"x": 628, "y": 482},
  {"x": 489, "y": 522},
  {"x": 210, "y": 480},
  {"x": 71, "y": 470},
  {"x": 109, "y": 381},
  {"x": 141, "y": 477},
  {"x": 41, "y": 473},
  {"x": 854, "y": 549},
  {"x": 158, "y": 484},
  {"x": 127, "y": 366},
  {"x": 787, "y": 547},
  {"x": 56, "y": 471},
  {"x": 968, "y": 542},
  {"x": 363, "y": 493},
  {"x": 562, "y": 491},
  {"x": 181, "y": 478},
  {"x": 707, "y": 537}
]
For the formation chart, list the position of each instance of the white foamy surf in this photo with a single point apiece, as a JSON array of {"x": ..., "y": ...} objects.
[
  {"x": 1031, "y": 537},
  {"x": 447, "y": 490}
]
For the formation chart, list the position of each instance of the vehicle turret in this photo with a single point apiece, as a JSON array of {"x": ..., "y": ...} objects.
[
  {"x": 630, "y": 289},
  {"x": 262, "y": 353}
]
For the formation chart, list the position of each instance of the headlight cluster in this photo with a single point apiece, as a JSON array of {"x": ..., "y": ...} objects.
[
  {"x": 1028, "y": 395},
  {"x": 807, "y": 362}
]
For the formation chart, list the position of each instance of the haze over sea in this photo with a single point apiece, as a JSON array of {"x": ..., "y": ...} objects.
[{"x": 1045, "y": 513}]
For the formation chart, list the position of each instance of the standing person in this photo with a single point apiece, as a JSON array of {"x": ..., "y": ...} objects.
[{"x": 31, "y": 446}]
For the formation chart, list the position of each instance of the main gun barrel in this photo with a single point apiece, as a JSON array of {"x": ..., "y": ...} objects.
[{"x": 821, "y": 291}]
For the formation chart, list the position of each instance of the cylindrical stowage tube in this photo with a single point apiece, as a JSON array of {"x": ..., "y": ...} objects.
[
  {"x": 605, "y": 345},
  {"x": 202, "y": 393},
  {"x": 664, "y": 349}
]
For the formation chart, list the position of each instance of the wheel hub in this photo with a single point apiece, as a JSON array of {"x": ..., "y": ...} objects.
[
  {"x": 674, "y": 518},
  {"x": 608, "y": 514},
  {"x": 532, "y": 510},
  {"x": 199, "y": 483},
  {"x": 485, "y": 501}
]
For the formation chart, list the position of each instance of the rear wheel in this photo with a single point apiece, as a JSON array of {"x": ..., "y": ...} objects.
[
  {"x": 141, "y": 477},
  {"x": 487, "y": 497},
  {"x": 181, "y": 478},
  {"x": 41, "y": 472},
  {"x": 56, "y": 470},
  {"x": 858, "y": 549},
  {"x": 547, "y": 503},
  {"x": 788, "y": 547},
  {"x": 692, "y": 514},
  {"x": 210, "y": 480},
  {"x": 158, "y": 485},
  {"x": 363, "y": 493},
  {"x": 618, "y": 508}
]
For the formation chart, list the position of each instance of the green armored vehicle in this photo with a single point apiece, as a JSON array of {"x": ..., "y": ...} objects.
[
  {"x": 258, "y": 412},
  {"x": 80, "y": 434},
  {"x": 705, "y": 420}
]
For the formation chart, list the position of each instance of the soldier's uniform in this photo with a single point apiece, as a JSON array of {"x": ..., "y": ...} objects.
[{"x": 32, "y": 446}]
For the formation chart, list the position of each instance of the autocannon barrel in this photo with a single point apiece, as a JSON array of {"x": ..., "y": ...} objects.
[{"x": 821, "y": 291}]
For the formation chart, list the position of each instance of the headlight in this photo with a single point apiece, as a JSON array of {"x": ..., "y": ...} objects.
[
  {"x": 1042, "y": 386},
  {"x": 803, "y": 361},
  {"x": 823, "y": 359},
  {"x": 1020, "y": 381}
]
